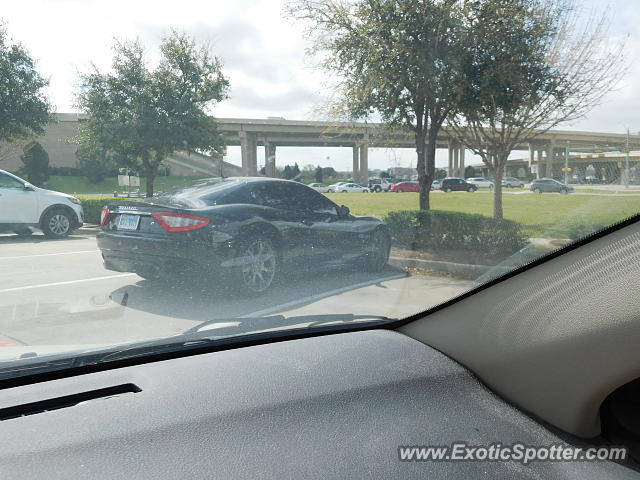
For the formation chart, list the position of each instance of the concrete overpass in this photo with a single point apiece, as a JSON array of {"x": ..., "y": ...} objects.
[{"x": 547, "y": 151}]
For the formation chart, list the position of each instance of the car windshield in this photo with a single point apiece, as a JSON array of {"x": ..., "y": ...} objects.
[{"x": 192, "y": 179}]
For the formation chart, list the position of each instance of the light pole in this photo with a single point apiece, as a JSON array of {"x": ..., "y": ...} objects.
[
  {"x": 566, "y": 164},
  {"x": 626, "y": 163}
]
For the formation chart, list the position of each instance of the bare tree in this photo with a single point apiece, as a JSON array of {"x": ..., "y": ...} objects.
[
  {"x": 529, "y": 66},
  {"x": 11, "y": 151}
]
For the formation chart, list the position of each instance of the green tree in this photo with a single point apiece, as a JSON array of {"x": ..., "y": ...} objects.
[
  {"x": 441, "y": 173},
  {"x": 394, "y": 59},
  {"x": 469, "y": 172},
  {"x": 286, "y": 173},
  {"x": 328, "y": 172},
  {"x": 25, "y": 110},
  {"x": 36, "y": 163},
  {"x": 319, "y": 174},
  {"x": 140, "y": 116},
  {"x": 295, "y": 171},
  {"x": 528, "y": 65}
]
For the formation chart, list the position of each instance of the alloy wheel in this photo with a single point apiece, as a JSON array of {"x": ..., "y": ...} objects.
[
  {"x": 259, "y": 269},
  {"x": 59, "y": 224}
]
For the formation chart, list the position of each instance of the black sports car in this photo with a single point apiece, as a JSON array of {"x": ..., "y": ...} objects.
[{"x": 243, "y": 228}]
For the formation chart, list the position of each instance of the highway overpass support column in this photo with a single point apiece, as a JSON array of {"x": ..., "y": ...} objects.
[
  {"x": 269, "y": 159},
  {"x": 456, "y": 160},
  {"x": 540, "y": 173},
  {"x": 462, "y": 154},
  {"x": 364, "y": 163},
  {"x": 249, "y": 151},
  {"x": 550, "y": 154},
  {"x": 450, "y": 167},
  {"x": 356, "y": 163}
]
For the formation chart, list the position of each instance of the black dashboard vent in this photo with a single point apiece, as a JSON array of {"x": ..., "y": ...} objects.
[{"x": 66, "y": 401}]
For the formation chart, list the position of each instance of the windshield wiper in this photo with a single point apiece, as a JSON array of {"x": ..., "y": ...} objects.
[
  {"x": 209, "y": 333},
  {"x": 239, "y": 329}
]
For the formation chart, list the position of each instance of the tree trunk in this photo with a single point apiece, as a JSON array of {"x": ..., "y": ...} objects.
[
  {"x": 421, "y": 167},
  {"x": 498, "y": 173},
  {"x": 150, "y": 170},
  {"x": 151, "y": 176}
]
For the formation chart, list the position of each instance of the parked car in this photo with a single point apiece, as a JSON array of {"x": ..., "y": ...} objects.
[
  {"x": 352, "y": 188},
  {"x": 592, "y": 179},
  {"x": 405, "y": 187},
  {"x": 335, "y": 186},
  {"x": 379, "y": 184},
  {"x": 245, "y": 229},
  {"x": 550, "y": 185},
  {"x": 453, "y": 184},
  {"x": 435, "y": 185},
  {"x": 25, "y": 207},
  {"x": 512, "y": 182},
  {"x": 481, "y": 182},
  {"x": 319, "y": 187}
]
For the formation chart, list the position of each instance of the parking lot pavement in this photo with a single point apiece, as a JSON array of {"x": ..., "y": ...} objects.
[{"x": 58, "y": 293}]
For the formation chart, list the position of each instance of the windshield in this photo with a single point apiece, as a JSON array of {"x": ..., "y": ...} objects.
[{"x": 216, "y": 187}]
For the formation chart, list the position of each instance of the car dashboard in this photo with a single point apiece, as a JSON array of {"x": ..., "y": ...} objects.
[{"x": 333, "y": 406}]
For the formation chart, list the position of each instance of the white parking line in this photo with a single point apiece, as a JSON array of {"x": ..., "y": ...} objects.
[
  {"x": 48, "y": 254},
  {"x": 320, "y": 296},
  {"x": 70, "y": 282}
]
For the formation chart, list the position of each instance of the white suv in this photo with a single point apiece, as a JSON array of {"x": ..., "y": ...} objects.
[{"x": 24, "y": 207}]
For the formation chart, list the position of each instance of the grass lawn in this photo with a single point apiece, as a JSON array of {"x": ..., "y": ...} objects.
[
  {"x": 80, "y": 185},
  {"x": 546, "y": 216}
]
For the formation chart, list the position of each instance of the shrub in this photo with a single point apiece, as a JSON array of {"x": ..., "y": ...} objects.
[
  {"x": 92, "y": 207},
  {"x": 437, "y": 230},
  {"x": 64, "y": 171},
  {"x": 36, "y": 163}
]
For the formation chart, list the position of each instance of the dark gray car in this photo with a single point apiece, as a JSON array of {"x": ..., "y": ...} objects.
[{"x": 550, "y": 185}]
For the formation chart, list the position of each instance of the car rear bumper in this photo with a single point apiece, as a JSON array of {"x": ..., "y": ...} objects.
[{"x": 161, "y": 257}]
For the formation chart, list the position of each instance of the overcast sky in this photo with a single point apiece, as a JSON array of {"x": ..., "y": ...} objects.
[{"x": 263, "y": 55}]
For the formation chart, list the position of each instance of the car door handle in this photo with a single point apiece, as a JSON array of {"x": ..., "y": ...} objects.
[{"x": 308, "y": 223}]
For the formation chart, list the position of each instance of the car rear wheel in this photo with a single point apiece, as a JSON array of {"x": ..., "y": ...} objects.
[
  {"x": 447, "y": 190},
  {"x": 378, "y": 257},
  {"x": 57, "y": 224},
  {"x": 330, "y": 190},
  {"x": 258, "y": 265},
  {"x": 399, "y": 190},
  {"x": 564, "y": 191},
  {"x": 376, "y": 189}
]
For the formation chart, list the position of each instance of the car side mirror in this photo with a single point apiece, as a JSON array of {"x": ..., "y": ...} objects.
[
  {"x": 28, "y": 187},
  {"x": 344, "y": 211}
]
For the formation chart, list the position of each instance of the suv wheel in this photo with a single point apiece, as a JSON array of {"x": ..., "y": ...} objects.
[
  {"x": 471, "y": 189},
  {"x": 447, "y": 190},
  {"x": 57, "y": 224},
  {"x": 377, "y": 189},
  {"x": 537, "y": 190}
]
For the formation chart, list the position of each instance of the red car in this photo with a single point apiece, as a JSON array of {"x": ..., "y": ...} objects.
[{"x": 405, "y": 187}]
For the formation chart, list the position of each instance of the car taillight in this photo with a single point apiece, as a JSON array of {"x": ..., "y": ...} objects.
[
  {"x": 105, "y": 215},
  {"x": 180, "y": 222}
]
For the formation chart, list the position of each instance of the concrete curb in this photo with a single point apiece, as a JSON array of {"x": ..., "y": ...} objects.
[{"x": 446, "y": 267}]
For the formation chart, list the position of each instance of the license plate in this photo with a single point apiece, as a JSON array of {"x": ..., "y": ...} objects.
[{"x": 128, "y": 222}]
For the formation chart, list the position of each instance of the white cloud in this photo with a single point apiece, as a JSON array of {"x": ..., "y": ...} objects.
[{"x": 263, "y": 53}]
